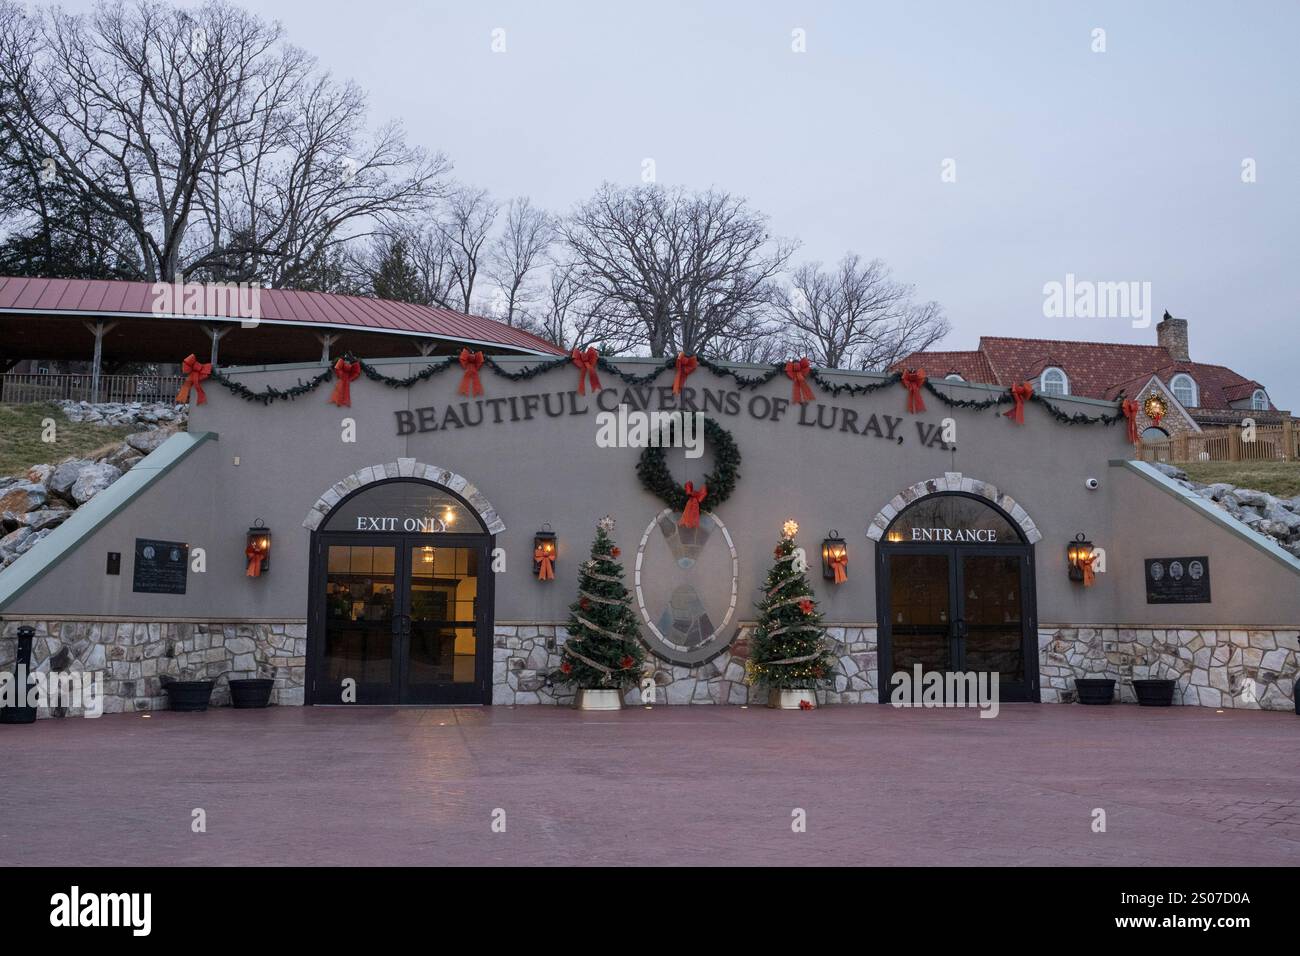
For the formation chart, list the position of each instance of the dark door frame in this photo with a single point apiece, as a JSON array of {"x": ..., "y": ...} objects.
[
  {"x": 1029, "y": 689},
  {"x": 478, "y": 692}
]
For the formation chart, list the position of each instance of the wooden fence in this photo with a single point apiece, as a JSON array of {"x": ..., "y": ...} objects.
[
  {"x": 1267, "y": 443},
  {"x": 24, "y": 388}
]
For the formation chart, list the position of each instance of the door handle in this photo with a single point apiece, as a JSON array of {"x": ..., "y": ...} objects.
[{"x": 401, "y": 624}]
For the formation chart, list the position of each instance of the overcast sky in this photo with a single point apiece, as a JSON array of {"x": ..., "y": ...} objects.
[{"x": 1117, "y": 166}]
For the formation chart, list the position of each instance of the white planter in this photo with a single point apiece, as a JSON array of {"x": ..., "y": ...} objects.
[
  {"x": 790, "y": 699},
  {"x": 599, "y": 700}
]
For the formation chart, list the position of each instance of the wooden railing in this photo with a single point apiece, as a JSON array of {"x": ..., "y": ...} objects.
[
  {"x": 24, "y": 388},
  {"x": 1266, "y": 443}
]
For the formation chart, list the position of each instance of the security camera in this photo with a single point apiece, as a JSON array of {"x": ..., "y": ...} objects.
[{"x": 1092, "y": 484}]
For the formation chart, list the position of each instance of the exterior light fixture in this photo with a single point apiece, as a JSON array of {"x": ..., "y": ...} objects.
[
  {"x": 258, "y": 550},
  {"x": 835, "y": 558},
  {"x": 1156, "y": 407},
  {"x": 545, "y": 546},
  {"x": 1079, "y": 557},
  {"x": 894, "y": 537},
  {"x": 448, "y": 516},
  {"x": 427, "y": 553}
]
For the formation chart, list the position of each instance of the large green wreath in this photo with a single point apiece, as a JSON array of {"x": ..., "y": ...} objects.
[{"x": 652, "y": 469}]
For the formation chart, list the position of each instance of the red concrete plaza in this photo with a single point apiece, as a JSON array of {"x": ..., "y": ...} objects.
[{"x": 668, "y": 786}]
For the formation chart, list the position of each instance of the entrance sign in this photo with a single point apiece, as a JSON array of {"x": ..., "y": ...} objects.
[
  {"x": 957, "y": 535},
  {"x": 1178, "y": 580}
]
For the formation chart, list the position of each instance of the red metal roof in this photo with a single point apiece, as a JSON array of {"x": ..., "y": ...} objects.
[
  {"x": 278, "y": 306},
  {"x": 1095, "y": 369}
]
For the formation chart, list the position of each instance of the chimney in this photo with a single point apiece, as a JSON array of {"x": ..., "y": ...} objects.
[{"x": 1171, "y": 333}]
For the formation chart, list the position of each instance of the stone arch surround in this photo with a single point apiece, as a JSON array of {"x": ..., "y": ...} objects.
[
  {"x": 405, "y": 468},
  {"x": 953, "y": 481}
]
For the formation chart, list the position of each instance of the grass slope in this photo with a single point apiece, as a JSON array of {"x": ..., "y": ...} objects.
[
  {"x": 1281, "y": 478},
  {"x": 22, "y": 428}
]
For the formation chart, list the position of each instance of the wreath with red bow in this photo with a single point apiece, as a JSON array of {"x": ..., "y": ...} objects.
[{"x": 652, "y": 469}]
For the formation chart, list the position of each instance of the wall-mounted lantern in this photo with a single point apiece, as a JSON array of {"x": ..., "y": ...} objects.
[
  {"x": 1156, "y": 407},
  {"x": 258, "y": 550},
  {"x": 835, "y": 558},
  {"x": 1079, "y": 557},
  {"x": 545, "y": 546}
]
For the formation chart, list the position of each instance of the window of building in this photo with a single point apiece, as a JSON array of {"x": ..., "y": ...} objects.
[
  {"x": 1054, "y": 382},
  {"x": 1184, "y": 389},
  {"x": 953, "y": 377},
  {"x": 403, "y": 507},
  {"x": 1259, "y": 401},
  {"x": 1154, "y": 433}
]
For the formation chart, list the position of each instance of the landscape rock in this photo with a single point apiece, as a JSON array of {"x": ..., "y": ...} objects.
[
  {"x": 145, "y": 442},
  {"x": 92, "y": 480},
  {"x": 46, "y": 518},
  {"x": 65, "y": 476},
  {"x": 11, "y": 545},
  {"x": 22, "y": 497},
  {"x": 1172, "y": 471}
]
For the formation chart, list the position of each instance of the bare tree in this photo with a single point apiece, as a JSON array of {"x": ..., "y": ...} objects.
[
  {"x": 676, "y": 270},
  {"x": 165, "y": 117},
  {"x": 466, "y": 223},
  {"x": 517, "y": 251},
  {"x": 857, "y": 315}
]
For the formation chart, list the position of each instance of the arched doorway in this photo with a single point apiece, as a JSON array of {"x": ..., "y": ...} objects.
[
  {"x": 955, "y": 592},
  {"x": 400, "y": 598}
]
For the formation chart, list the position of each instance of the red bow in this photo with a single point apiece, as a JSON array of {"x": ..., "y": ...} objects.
[
  {"x": 196, "y": 372},
  {"x": 798, "y": 373},
  {"x": 838, "y": 565},
  {"x": 545, "y": 565},
  {"x": 471, "y": 362},
  {"x": 1021, "y": 394},
  {"x": 1130, "y": 410},
  {"x": 913, "y": 380},
  {"x": 1089, "y": 576},
  {"x": 686, "y": 364},
  {"x": 691, "y": 513},
  {"x": 346, "y": 373},
  {"x": 254, "y": 555},
  {"x": 586, "y": 363}
]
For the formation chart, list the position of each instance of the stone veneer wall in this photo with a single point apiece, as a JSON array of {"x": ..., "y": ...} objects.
[
  {"x": 524, "y": 654},
  {"x": 1211, "y": 665},
  {"x": 134, "y": 656}
]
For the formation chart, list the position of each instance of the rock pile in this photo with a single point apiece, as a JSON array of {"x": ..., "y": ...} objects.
[
  {"x": 36, "y": 502},
  {"x": 1278, "y": 518}
]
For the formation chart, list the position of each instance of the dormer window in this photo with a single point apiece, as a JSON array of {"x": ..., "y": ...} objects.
[
  {"x": 1259, "y": 401},
  {"x": 1053, "y": 381},
  {"x": 1184, "y": 389},
  {"x": 953, "y": 377}
]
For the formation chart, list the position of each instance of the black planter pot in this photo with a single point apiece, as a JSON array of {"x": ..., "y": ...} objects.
[
  {"x": 253, "y": 692},
  {"x": 1154, "y": 693},
  {"x": 188, "y": 695},
  {"x": 1095, "y": 690}
]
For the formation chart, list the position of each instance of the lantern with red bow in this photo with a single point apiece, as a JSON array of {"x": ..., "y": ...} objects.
[
  {"x": 545, "y": 547},
  {"x": 835, "y": 558},
  {"x": 257, "y": 550}
]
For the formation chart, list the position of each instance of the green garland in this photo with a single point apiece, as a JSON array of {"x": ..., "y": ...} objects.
[
  {"x": 606, "y": 366},
  {"x": 652, "y": 469}
]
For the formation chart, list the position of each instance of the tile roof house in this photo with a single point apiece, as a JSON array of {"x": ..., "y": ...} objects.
[{"x": 1198, "y": 394}]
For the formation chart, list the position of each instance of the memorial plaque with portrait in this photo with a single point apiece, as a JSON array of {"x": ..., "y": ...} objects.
[
  {"x": 160, "y": 567},
  {"x": 1178, "y": 580}
]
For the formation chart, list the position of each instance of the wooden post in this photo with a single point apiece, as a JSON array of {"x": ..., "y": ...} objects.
[
  {"x": 1288, "y": 440},
  {"x": 215, "y": 333},
  {"x": 425, "y": 348},
  {"x": 326, "y": 340},
  {"x": 98, "y": 329}
]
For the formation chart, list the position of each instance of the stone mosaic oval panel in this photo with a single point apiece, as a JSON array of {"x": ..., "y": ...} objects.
[{"x": 687, "y": 581}]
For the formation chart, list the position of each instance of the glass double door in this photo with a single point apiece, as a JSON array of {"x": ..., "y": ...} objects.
[
  {"x": 402, "y": 620},
  {"x": 958, "y": 609}
]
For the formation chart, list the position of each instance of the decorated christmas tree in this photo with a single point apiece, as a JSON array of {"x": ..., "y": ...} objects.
[
  {"x": 787, "y": 650},
  {"x": 603, "y": 650}
]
